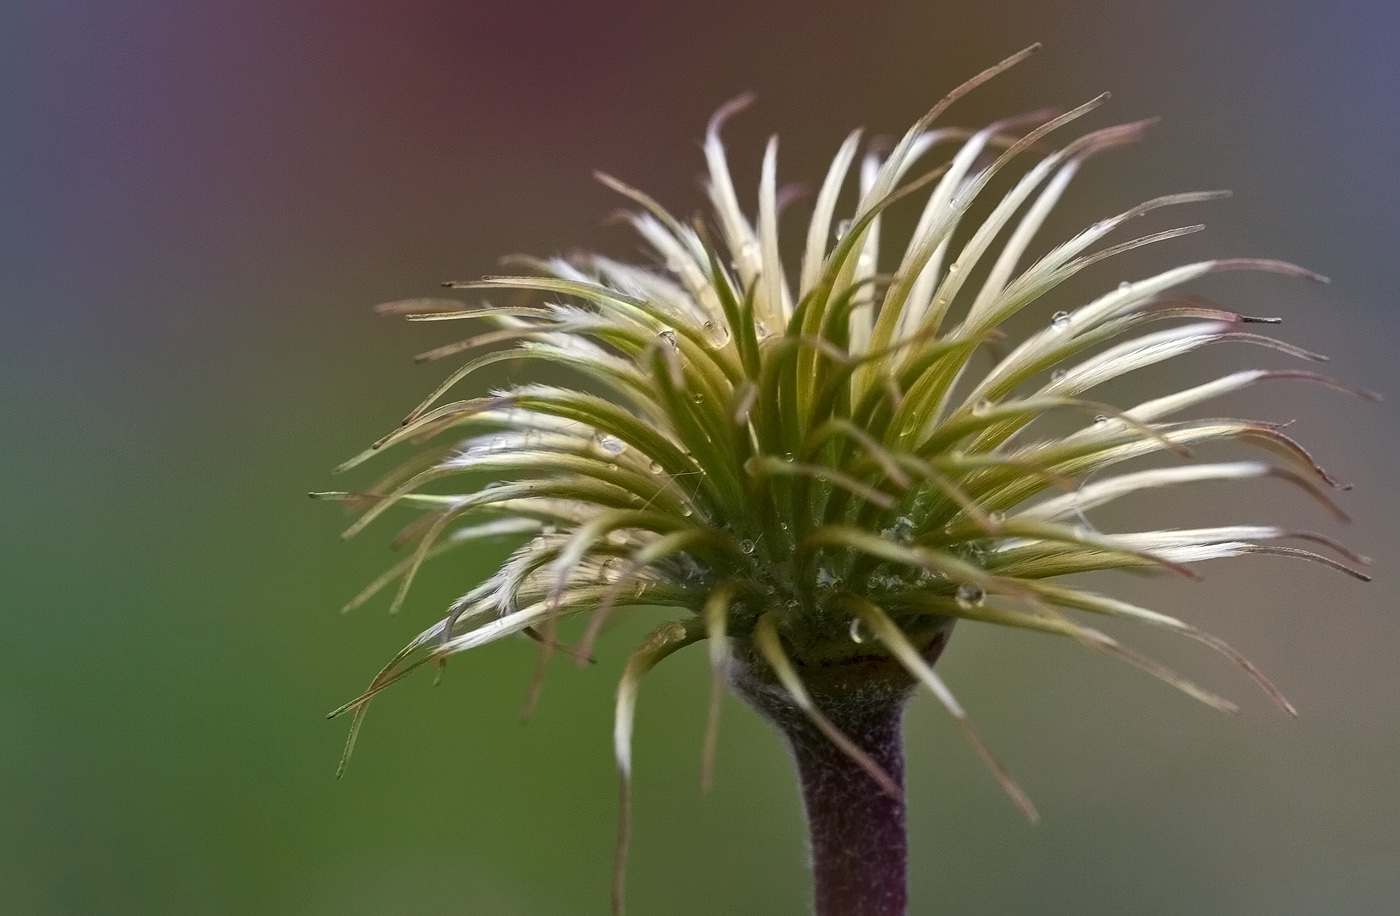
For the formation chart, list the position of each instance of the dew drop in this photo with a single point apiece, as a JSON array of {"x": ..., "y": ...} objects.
[
  {"x": 1058, "y": 375},
  {"x": 996, "y": 518},
  {"x": 1125, "y": 285},
  {"x": 842, "y": 228},
  {"x": 668, "y": 335},
  {"x": 655, "y": 467},
  {"x": 793, "y": 604},
  {"x": 717, "y": 333},
  {"x": 1059, "y": 320},
  {"x": 857, "y": 631},
  {"x": 750, "y": 250},
  {"x": 612, "y": 445},
  {"x": 698, "y": 397},
  {"x": 902, "y": 531},
  {"x": 969, "y": 596},
  {"x": 982, "y": 406},
  {"x": 686, "y": 510},
  {"x": 746, "y": 545},
  {"x": 1100, "y": 420},
  {"x": 953, "y": 268},
  {"x": 760, "y": 330},
  {"x": 827, "y": 579}
]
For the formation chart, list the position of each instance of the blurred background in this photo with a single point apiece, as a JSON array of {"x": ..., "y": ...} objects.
[{"x": 200, "y": 203}]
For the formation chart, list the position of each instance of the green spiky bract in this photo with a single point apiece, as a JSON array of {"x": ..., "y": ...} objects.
[{"x": 819, "y": 466}]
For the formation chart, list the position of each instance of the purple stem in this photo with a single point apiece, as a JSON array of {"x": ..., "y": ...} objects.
[
  {"x": 860, "y": 863},
  {"x": 859, "y": 845}
]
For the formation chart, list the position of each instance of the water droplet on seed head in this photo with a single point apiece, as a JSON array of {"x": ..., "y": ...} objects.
[
  {"x": 717, "y": 333},
  {"x": 969, "y": 595},
  {"x": 857, "y": 631}
]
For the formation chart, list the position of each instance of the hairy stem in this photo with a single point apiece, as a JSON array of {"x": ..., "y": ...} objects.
[{"x": 857, "y": 829}]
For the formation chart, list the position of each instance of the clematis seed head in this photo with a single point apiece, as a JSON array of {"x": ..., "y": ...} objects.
[{"x": 818, "y": 456}]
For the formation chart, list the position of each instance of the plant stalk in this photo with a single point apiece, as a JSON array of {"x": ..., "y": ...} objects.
[{"x": 857, "y": 830}]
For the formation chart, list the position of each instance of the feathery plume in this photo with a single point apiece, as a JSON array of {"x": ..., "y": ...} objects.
[{"x": 821, "y": 462}]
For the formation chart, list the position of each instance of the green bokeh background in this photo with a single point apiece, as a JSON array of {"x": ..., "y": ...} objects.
[{"x": 200, "y": 202}]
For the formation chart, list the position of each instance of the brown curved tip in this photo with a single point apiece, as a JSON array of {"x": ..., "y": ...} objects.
[{"x": 727, "y": 110}]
